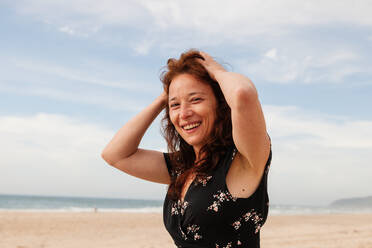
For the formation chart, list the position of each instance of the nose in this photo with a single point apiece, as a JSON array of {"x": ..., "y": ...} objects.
[{"x": 185, "y": 111}]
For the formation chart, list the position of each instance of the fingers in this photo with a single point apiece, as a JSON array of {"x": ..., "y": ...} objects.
[
  {"x": 202, "y": 53},
  {"x": 205, "y": 55},
  {"x": 209, "y": 60},
  {"x": 206, "y": 58}
]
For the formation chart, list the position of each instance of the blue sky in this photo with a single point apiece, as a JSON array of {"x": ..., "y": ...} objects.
[{"x": 73, "y": 72}]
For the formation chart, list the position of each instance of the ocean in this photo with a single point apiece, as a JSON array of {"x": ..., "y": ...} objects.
[
  {"x": 32, "y": 203},
  {"x": 76, "y": 204}
]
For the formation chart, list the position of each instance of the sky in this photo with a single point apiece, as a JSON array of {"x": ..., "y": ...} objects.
[{"x": 72, "y": 72}]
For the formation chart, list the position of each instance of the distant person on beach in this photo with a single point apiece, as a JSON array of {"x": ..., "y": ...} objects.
[{"x": 218, "y": 156}]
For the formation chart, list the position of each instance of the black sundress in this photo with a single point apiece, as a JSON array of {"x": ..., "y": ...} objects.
[{"x": 211, "y": 217}]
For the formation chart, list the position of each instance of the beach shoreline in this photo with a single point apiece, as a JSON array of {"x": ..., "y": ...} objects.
[{"x": 22, "y": 229}]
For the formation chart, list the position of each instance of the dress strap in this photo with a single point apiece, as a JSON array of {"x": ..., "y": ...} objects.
[
  {"x": 168, "y": 163},
  {"x": 229, "y": 158}
]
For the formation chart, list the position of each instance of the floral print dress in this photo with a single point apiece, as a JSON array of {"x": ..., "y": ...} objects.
[{"x": 210, "y": 216}]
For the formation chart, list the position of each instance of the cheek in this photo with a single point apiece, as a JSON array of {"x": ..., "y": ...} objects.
[
  {"x": 210, "y": 112},
  {"x": 172, "y": 117},
  {"x": 211, "y": 118}
]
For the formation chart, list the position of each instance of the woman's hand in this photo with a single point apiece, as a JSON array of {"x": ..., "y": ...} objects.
[
  {"x": 211, "y": 65},
  {"x": 164, "y": 98}
]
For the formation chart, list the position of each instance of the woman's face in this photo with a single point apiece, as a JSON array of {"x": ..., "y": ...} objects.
[{"x": 192, "y": 109}]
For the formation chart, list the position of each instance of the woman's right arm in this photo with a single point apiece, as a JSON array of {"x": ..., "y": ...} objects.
[{"x": 123, "y": 153}]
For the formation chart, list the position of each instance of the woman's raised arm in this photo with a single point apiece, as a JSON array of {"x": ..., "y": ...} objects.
[
  {"x": 123, "y": 153},
  {"x": 248, "y": 123}
]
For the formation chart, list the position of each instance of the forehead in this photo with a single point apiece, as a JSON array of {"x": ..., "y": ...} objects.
[{"x": 184, "y": 84}]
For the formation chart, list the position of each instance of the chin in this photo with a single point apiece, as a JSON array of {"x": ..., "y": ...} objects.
[
  {"x": 194, "y": 143},
  {"x": 191, "y": 142},
  {"x": 196, "y": 140}
]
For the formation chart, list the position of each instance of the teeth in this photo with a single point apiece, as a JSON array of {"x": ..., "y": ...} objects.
[{"x": 190, "y": 126}]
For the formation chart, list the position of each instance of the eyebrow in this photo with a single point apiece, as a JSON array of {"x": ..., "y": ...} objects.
[{"x": 190, "y": 94}]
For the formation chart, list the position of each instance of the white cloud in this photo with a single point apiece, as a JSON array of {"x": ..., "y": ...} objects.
[
  {"x": 255, "y": 16},
  {"x": 83, "y": 17},
  {"x": 52, "y": 154},
  {"x": 172, "y": 26},
  {"x": 272, "y": 54},
  {"x": 143, "y": 47},
  {"x": 316, "y": 158},
  {"x": 325, "y": 132},
  {"x": 66, "y": 29},
  {"x": 98, "y": 98},
  {"x": 89, "y": 75},
  {"x": 298, "y": 66},
  {"x": 89, "y": 83}
]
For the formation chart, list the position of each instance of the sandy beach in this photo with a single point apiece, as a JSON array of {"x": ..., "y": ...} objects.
[{"x": 146, "y": 230}]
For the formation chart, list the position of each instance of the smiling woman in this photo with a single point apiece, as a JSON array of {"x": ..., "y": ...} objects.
[
  {"x": 192, "y": 109},
  {"x": 218, "y": 154}
]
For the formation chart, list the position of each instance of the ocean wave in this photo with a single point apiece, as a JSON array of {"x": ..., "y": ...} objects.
[{"x": 78, "y": 210}]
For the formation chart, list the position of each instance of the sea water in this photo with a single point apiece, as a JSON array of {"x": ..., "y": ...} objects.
[
  {"x": 76, "y": 204},
  {"x": 34, "y": 203}
]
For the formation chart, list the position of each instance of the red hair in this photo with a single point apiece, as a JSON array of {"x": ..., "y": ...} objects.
[{"x": 181, "y": 154}]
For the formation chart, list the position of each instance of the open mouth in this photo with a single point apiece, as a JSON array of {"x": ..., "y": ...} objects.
[{"x": 191, "y": 126}]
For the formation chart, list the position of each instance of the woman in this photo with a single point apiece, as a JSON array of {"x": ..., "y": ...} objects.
[{"x": 219, "y": 154}]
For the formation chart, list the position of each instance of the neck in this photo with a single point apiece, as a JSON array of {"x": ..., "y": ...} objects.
[{"x": 196, "y": 151}]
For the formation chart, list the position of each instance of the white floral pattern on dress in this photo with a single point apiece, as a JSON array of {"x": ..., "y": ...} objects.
[
  {"x": 229, "y": 245},
  {"x": 193, "y": 230},
  {"x": 179, "y": 208},
  {"x": 251, "y": 215},
  {"x": 203, "y": 181},
  {"x": 221, "y": 196},
  {"x": 182, "y": 234}
]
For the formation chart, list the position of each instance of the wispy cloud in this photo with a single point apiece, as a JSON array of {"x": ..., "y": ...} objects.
[
  {"x": 143, "y": 47},
  {"x": 101, "y": 99},
  {"x": 67, "y": 29},
  {"x": 307, "y": 145},
  {"x": 54, "y": 154},
  {"x": 82, "y": 75},
  {"x": 282, "y": 66},
  {"x": 271, "y": 17},
  {"x": 271, "y": 28},
  {"x": 77, "y": 31},
  {"x": 323, "y": 131},
  {"x": 272, "y": 54},
  {"x": 93, "y": 84}
]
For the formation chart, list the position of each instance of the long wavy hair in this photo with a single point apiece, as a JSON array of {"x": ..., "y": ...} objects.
[{"x": 181, "y": 155}]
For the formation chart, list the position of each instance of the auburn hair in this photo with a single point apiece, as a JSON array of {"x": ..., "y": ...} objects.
[{"x": 181, "y": 155}]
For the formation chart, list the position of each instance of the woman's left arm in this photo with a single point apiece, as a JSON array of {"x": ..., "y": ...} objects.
[{"x": 248, "y": 122}]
